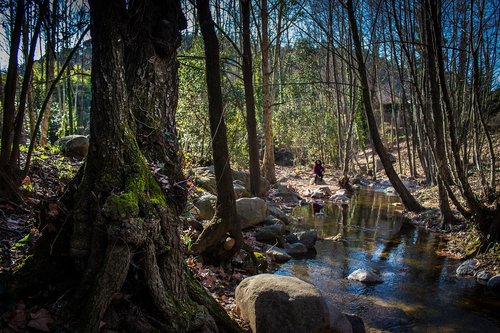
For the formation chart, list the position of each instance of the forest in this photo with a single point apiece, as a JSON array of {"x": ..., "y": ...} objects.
[{"x": 249, "y": 166}]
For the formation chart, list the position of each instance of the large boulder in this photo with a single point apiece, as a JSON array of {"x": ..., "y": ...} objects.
[
  {"x": 206, "y": 206},
  {"x": 308, "y": 238},
  {"x": 364, "y": 276},
  {"x": 74, "y": 145},
  {"x": 251, "y": 211},
  {"x": 273, "y": 303}
]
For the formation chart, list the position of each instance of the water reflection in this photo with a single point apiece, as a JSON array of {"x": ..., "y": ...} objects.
[{"x": 420, "y": 292}]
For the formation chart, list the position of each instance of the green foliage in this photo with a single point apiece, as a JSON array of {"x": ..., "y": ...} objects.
[
  {"x": 304, "y": 122},
  {"x": 23, "y": 241},
  {"x": 187, "y": 240},
  {"x": 192, "y": 111}
]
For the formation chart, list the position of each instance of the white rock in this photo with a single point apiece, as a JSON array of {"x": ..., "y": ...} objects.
[{"x": 364, "y": 276}]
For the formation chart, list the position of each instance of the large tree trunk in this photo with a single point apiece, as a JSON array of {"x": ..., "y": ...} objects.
[
  {"x": 268, "y": 162},
  {"x": 253, "y": 149},
  {"x": 123, "y": 237},
  {"x": 225, "y": 223},
  {"x": 406, "y": 197},
  {"x": 152, "y": 83}
]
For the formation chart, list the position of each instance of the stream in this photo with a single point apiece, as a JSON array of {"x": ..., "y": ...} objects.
[{"x": 420, "y": 292}]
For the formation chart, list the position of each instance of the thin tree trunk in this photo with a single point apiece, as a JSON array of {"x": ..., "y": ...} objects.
[
  {"x": 9, "y": 105},
  {"x": 211, "y": 241},
  {"x": 406, "y": 197},
  {"x": 268, "y": 163},
  {"x": 49, "y": 75},
  {"x": 253, "y": 148},
  {"x": 28, "y": 72}
]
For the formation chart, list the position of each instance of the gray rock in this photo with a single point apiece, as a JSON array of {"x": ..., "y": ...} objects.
[
  {"x": 240, "y": 189},
  {"x": 321, "y": 192},
  {"x": 244, "y": 176},
  {"x": 206, "y": 206},
  {"x": 364, "y": 276},
  {"x": 295, "y": 248},
  {"x": 494, "y": 284},
  {"x": 251, "y": 211},
  {"x": 308, "y": 238},
  {"x": 338, "y": 322},
  {"x": 467, "y": 267},
  {"x": 358, "y": 326},
  {"x": 390, "y": 190},
  {"x": 285, "y": 194},
  {"x": 277, "y": 255},
  {"x": 273, "y": 303},
  {"x": 271, "y": 234},
  {"x": 482, "y": 277},
  {"x": 291, "y": 239},
  {"x": 205, "y": 178},
  {"x": 206, "y": 182},
  {"x": 271, "y": 220},
  {"x": 74, "y": 145},
  {"x": 340, "y": 197},
  {"x": 278, "y": 213}
]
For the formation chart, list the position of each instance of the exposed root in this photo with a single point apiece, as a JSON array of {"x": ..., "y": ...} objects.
[
  {"x": 210, "y": 243},
  {"x": 109, "y": 281}
]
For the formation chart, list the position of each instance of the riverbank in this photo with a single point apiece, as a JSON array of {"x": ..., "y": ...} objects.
[{"x": 52, "y": 171}]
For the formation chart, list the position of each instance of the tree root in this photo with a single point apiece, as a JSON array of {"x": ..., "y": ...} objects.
[
  {"x": 210, "y": 243},
  {"x": 109, "y": 281}
]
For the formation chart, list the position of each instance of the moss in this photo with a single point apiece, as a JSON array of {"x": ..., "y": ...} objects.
[
  {"x": 122, "y": 205},
  {"x": 156, "y": 195},
  {"x": 259, "y": 255},
  {"x": 188, "y": 308}
]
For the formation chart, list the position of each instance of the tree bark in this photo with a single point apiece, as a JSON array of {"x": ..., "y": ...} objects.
[
  {"x": 152, "y": 84},
  {"x": 407, "y": 199},
  {"x": 268, "y": 162},
  {"x": 49, "y": 74},
  {"x": 9, "y": 104},
  {"x": 253, "y": 149},
  {"x": 122, "y": 237},
  {"x": 225, "y": 223}
]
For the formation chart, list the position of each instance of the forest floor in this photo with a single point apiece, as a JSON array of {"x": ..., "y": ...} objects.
[{"x": 52, "y": 171}]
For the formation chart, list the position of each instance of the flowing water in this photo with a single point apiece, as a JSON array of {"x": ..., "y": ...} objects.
[{"x": 420, "y": 292}]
